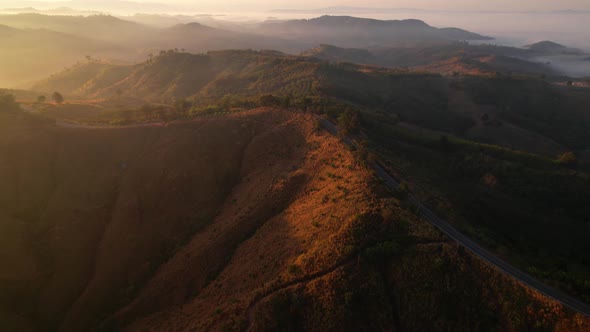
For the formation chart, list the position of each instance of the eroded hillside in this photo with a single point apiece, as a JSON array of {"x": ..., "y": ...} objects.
[{"x": 253, "y": 221}]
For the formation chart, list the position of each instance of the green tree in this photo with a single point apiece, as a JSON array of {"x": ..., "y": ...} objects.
[
  {"x": 41, "y": 99},
  {"x": 57, "y": 97}
]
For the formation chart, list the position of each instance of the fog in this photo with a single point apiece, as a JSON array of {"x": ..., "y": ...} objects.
[{"x": 574, "y": 66}]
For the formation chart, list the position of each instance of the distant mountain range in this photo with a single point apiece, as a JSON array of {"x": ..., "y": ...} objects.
[
  {"x": 48, "y": 43},
  {"x": 342, "y": 10},
  {"x": 347, "y": 31},
  {"x": 66, "y": 39}
]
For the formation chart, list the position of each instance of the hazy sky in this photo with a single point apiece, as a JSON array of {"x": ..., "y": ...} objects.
[
  {"x": 424, "y": 4},
  {"x": 508, "y": 5}
]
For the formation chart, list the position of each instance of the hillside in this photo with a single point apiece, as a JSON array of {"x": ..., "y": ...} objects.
[
  {"x": 254, "y": 221},
  {"x": 448, "y": 59},
  {"x": 99, "y": 27},
  {"x": 418, "y": 97},
  {"x": 496, "y": 138},
  {"x": 182, "y": 75},
  {"x": 43, "y": 44}
]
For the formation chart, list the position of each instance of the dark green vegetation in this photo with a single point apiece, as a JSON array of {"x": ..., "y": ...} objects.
[
  {"x": 527, "y": 207},
  {"x": 503, "y": 157}
]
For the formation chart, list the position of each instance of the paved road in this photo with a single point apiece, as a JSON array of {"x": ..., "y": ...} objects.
[{"x": 460, "y": 238}]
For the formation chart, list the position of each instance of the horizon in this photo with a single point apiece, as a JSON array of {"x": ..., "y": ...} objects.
[{"x": 519, "y": 26}]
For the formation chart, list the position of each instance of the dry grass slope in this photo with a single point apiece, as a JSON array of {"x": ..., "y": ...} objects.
[{"x": 254, "y": 221}]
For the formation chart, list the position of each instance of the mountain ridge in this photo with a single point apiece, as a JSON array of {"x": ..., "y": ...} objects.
[{"x": 348, "y": 31}]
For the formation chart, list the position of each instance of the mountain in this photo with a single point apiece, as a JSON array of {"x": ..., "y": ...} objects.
[
  {"x": 546, "y": 46},
  {"x": 251, "y": 221},
  {"x": 99, "y": 27},
  {"x": 346, "y": 31},
  {"x": 43, "y": 44},
  {"x": 63, "y": 40},
  {"x": 173, "y": 75},
  {"x": 108, "y": 38},
  {"x": 552, "y": 48},
  {"x": 235, "y": 216},
  {"x": 134, "y": 36}
]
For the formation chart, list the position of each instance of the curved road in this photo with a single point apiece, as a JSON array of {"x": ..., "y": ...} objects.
[{"x": 466, "y": 242}]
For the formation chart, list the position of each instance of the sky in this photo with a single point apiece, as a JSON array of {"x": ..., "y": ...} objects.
[
  {"x": 224, "y": 5},
  {"x": 421, "y": 4}
]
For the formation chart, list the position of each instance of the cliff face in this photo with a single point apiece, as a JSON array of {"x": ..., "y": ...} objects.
[{"x": 256, "y": 220}]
